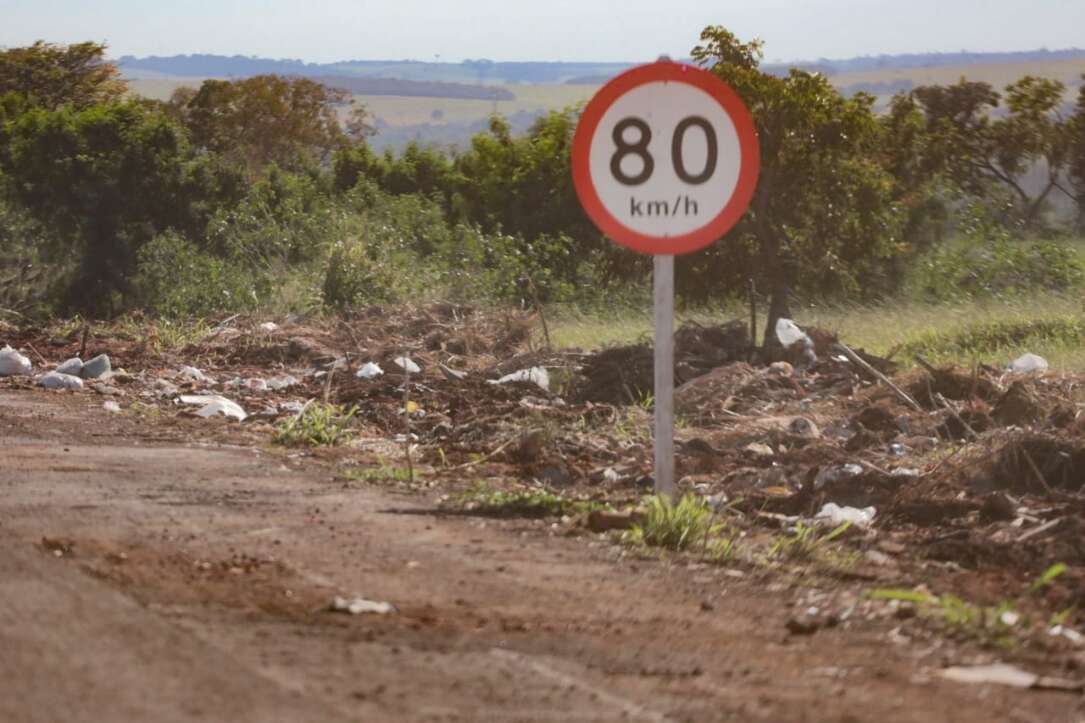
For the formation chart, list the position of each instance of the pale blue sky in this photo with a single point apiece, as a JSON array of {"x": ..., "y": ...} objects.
[{"x": 327, "y": 30}]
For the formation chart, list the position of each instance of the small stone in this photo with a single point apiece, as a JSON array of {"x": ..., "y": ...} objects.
[
  {"x": 803, "y": 427},
  {"x": 603, "y": 521}
]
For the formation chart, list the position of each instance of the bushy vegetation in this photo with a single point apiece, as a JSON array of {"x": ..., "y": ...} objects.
[{"x": 257, "y": 193}]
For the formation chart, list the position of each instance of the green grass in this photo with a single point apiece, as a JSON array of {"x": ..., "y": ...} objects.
[
  {"x": 689, "y": 525},
  {"x": 806, "y": 543},
  {"x": 318, "y": 425},
  {"x": 994, "y": 331}
]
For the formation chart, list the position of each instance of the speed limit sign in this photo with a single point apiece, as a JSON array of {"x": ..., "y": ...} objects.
[
  {"x": 665, "y": 158},
  {"x": 665, "y": 161}
]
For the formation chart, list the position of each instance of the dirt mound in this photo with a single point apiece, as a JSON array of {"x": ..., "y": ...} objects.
[
  {"x": 625, "y": 374},
  {"x": 955, "y": 384},
  {"x": 1039, "y": 463}
]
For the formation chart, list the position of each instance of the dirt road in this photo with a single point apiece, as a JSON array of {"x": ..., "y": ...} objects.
[{"x": 150, "y": 581}]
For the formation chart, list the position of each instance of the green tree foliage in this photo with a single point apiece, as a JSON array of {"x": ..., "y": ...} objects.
[
  {"x": 50, "y": 75},
  {"x": 984, "y": 153},
  {"x": 1076, "y": 152},
  {"x": 291, "y": 122},
  {"x": 102, "y": 181},
  {"x": 825, "y": 217}
]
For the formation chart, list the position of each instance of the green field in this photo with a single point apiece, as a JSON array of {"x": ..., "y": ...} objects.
[{"x": 446, "y": 120}]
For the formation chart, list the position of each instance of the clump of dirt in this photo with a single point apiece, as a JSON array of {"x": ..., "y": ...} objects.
[
  {"x": 1018, "y": 406},
  {"x": 625, "y": 374},
  {"x": 955, "y": 384},
  {"x": 1039, "y": 463}
]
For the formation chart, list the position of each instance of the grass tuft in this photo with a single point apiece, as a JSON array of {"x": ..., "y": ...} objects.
[{"x": 318, "y": 425}]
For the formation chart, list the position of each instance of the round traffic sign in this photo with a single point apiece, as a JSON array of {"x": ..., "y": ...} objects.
[{"x": 665, "y": 158}]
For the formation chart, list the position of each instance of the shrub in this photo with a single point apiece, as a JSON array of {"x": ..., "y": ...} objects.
[
  {"x": 988, "y": 263},
  {"x": 174, "y": 279}
]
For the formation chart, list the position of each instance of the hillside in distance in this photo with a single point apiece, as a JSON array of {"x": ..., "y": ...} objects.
[
  {"x": 445, "y": 104},
  {"x": 546, "y": 72}
]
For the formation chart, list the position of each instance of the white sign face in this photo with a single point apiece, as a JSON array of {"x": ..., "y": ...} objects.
[{"x": 665, "y": 159}]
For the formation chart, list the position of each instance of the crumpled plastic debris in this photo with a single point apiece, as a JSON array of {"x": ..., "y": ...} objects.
[
  {"x": 195, "y": 375},
  {"x": 97, "y": 367},
  {"x": 13, "y": 363},
  {"x": 835, "y": 474},
  {"x": 789, "y": 334},
  {"x": 56, "y": 380},
  {"x": 359, "y": 606},
  {"x": 1000, "y": 673},
  {"x": 252, "y": 384},
  {"x": 269, "y": 327},
  {"x": 212, "y": 405},
  {"x": 111, "y": 407},
  {"x": 1029, "y": 363},
  {"x": 535, "y": 375},
  {"x": 73, "y": 366},
  {"x": 276, "y": 384},
  {"x": 834, "y": 515},
  {"x": 407, "y": 365},
  {"x": 369, "y": 370}
]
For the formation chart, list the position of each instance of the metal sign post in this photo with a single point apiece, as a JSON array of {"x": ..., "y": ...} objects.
[
  {"x": 663, "y": 303},
  {"x": 665, "y": 161}
]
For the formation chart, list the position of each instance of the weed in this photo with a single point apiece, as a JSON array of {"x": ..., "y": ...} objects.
[
  {"x": 805, "y": 542},
  {"x": 318, "y": 425},
  {"x": 685, "y": 525},
  {"x": 380, "y": 475},
  {"x": 990, "y": 624},
  {"x": 519, "y": 503}
]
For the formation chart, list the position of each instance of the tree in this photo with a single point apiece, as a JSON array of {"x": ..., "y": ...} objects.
[
  {"x": 825, "y": 216},
  {"x": 291, "y": 122},
  {"x": 53, "y": 75},
  {"x": 1076, "y": 153},
  {"x": 102, "y": 181},
  {"x": 979, "y": 150}
]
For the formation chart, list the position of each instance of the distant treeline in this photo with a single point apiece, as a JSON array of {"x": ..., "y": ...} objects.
[
  {"x": 417, "y": 88},
  {"x": 490, "y": 72}
]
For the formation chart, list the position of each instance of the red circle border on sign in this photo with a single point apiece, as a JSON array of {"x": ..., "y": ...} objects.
[{"x": 666, "y": 71}]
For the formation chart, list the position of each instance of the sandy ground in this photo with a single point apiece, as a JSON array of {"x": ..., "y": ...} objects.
[{"x": 160, "y": 582}]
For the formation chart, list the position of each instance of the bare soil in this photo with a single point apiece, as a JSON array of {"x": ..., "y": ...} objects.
[{"x": 158, "y": 567}]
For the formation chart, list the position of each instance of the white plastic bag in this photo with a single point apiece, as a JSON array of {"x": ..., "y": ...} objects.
[
  {"x": 13, "y": 363},
  {"x": 535, "y": 375},
  {"x": 56, "y": 380},
  {"x": 834, "y": 515},
  {"x": 1029, "y": 363},
  {"x": 212, "y": 405}
]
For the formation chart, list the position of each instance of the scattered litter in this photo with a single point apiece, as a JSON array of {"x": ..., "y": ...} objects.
[
  {"x": 73, "y": 366},
  {"x": 1029, "y": 363},
  {"x": 407, "y": 365},
  {"x": 269, "y": 327},
  {"x": 1061, "y": 631},
  {"x": 535, "y": 375},
  {"x": 212, "y": 405},
  {"x": 452, "y": 375},
  {"x": 836, "y": 474},
  {"x": 97, "y": 367},
  {"x": 165, "y": 388},
  {"x": 1004, "y": 674},
  {"x": 252, "y": 384},
  {"x": 369, "y": 370},
  {"x": 760, "y": 449},
  {"x": 13, "y": 363},
  {"x": 276, "y": 384},
  {"x": 834, "y": 515},
  {"x": 112, "y": 407},
  {"x": 788, "y": 332},
  {"x": 195, "y": 375},
  {"x": 292, "y": 407},
  {"x": 359, "y": 606},
  {"x": 56, "y": 380}
]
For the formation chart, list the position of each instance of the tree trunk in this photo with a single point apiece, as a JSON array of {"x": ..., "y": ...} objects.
[{"x": 779, "y": 308}]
